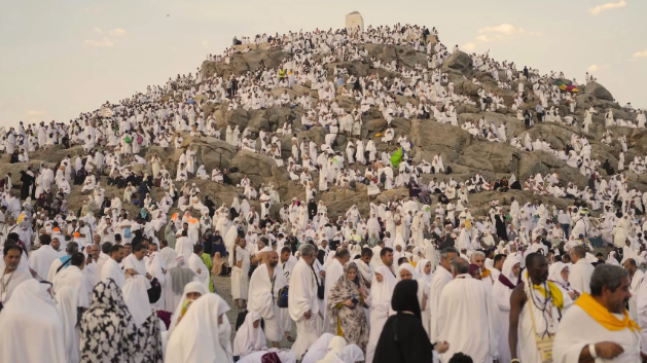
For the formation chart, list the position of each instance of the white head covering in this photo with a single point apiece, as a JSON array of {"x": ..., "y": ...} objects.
[
  {"x": 506, "y": 270},
  {"x": 408, "y": 267},
  {"x": 555, "y": 273},
  {"x": 334, "y": 347},
  {"x": 249, "y": 339},
  {"x": 30, "y": 319},
  {"x": 193, "y": 286},
  {"x": 383, "y": 291},
  {"x": 197, "y": 338},
  {"x": 420, "y": 269}
]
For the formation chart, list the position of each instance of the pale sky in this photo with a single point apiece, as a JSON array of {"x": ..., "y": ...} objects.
[{"x": 61, "y": 58}]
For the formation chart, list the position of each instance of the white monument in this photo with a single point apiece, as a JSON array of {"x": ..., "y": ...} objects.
[{"x": 354, "y": 20}]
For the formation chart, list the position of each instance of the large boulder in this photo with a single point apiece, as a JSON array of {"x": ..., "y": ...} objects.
[
  {"x": 638, "y": 141},
  {"x": 372, "y": 127},
  {"x": 354, "y": 68},
  {"x": 492, "y": 157},
  {"x": 385, "y": 53},
  {"x": 259, "y": 168},
  {"x": 258, "y": 121},
  {"x": 209, "y": 69},
  {"x": 339, "y": 201},
  {"x": 238, "y": 117},
  {"x": 598, "y": 91},
  {"x": 210, "y": 151},
  {"x": 315, "y": 134},
  {"x": 460, "y": 61},
  {"x": 270, "y": 59},
  {"x": 480, "y": 202},
  {"x": 409, "y": 57},
  {"x": 431, "y": 135},
  {"x": 556, "y": 135}
]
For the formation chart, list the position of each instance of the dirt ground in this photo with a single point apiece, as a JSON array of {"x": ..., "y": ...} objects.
[{"x": 223, "y": 288}]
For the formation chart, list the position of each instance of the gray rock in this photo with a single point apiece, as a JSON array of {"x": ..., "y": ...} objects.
[
  {"x": 460, "y": 61},
  {"x": 598, "y": 91},
  {"x": 259, "y": 168}
]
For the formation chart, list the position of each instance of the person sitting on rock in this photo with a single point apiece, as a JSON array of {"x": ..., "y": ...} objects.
[
  {"x": 202, "y": 173},
  {"x": 388, "y": 136},
  {"x": 216, "y": 175}
]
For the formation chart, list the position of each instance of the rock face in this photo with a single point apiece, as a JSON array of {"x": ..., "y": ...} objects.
[
  {"x": 211, "y": 152},
  {"x": 598, "y": 91},
  {"x": 465, "y": 154},
  {"x": 258, "y": 168},
  {"x": 459, "y": 61}
]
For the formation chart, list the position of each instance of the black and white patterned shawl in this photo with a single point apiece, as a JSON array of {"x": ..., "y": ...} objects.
[{"x": 109, "y": 334}]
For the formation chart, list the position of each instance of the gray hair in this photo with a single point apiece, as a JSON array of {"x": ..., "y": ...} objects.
[
  {"x": 608, "y": 276},
  {"x": 477, "y": 254},
  {"x": 447, "y": 250},
  {"x": 307, "y": 250},
  {"x": 460, "y": 266},
  {"x": 72, "y": 248}
]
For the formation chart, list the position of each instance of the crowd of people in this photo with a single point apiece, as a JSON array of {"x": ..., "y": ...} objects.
[{"x": 409, "y": 281}]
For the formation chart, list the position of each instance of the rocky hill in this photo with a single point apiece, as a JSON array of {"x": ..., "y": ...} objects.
[{"x": 463, "y": 152}]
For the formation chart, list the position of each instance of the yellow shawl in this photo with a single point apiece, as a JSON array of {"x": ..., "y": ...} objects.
[
  {"x": 485, "y": 273},
  {"x": 558, "y": 298},
  {"x": 602, "y": 315}
]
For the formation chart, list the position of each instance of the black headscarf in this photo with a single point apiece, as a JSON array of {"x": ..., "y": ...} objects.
[
  {"x": 405, "y": 298},
  {"x": 403, "y": 338}
]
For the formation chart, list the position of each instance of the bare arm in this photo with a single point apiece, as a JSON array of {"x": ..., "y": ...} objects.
[
  {"x": 585, "y": 356},
  {"x": 517, "y": 300},
  {"x": 606, "y": 350}
]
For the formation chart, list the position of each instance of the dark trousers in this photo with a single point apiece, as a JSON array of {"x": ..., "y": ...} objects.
[
  {"x": 567, "y": 229},
  {"x": 540, "y": 116}
]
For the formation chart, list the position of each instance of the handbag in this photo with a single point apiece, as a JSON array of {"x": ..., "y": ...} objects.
[
  {"x": 282, "y": 301},
  {"x": 321, "y": 289},
  {"x": 545, "y": 343},
  {"x": 155, "y": 292}
]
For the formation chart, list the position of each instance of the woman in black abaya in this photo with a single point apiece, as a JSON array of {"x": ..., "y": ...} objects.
[
  {"x": 403, "y": 339},
  {"x": 500, "y": 227}
]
